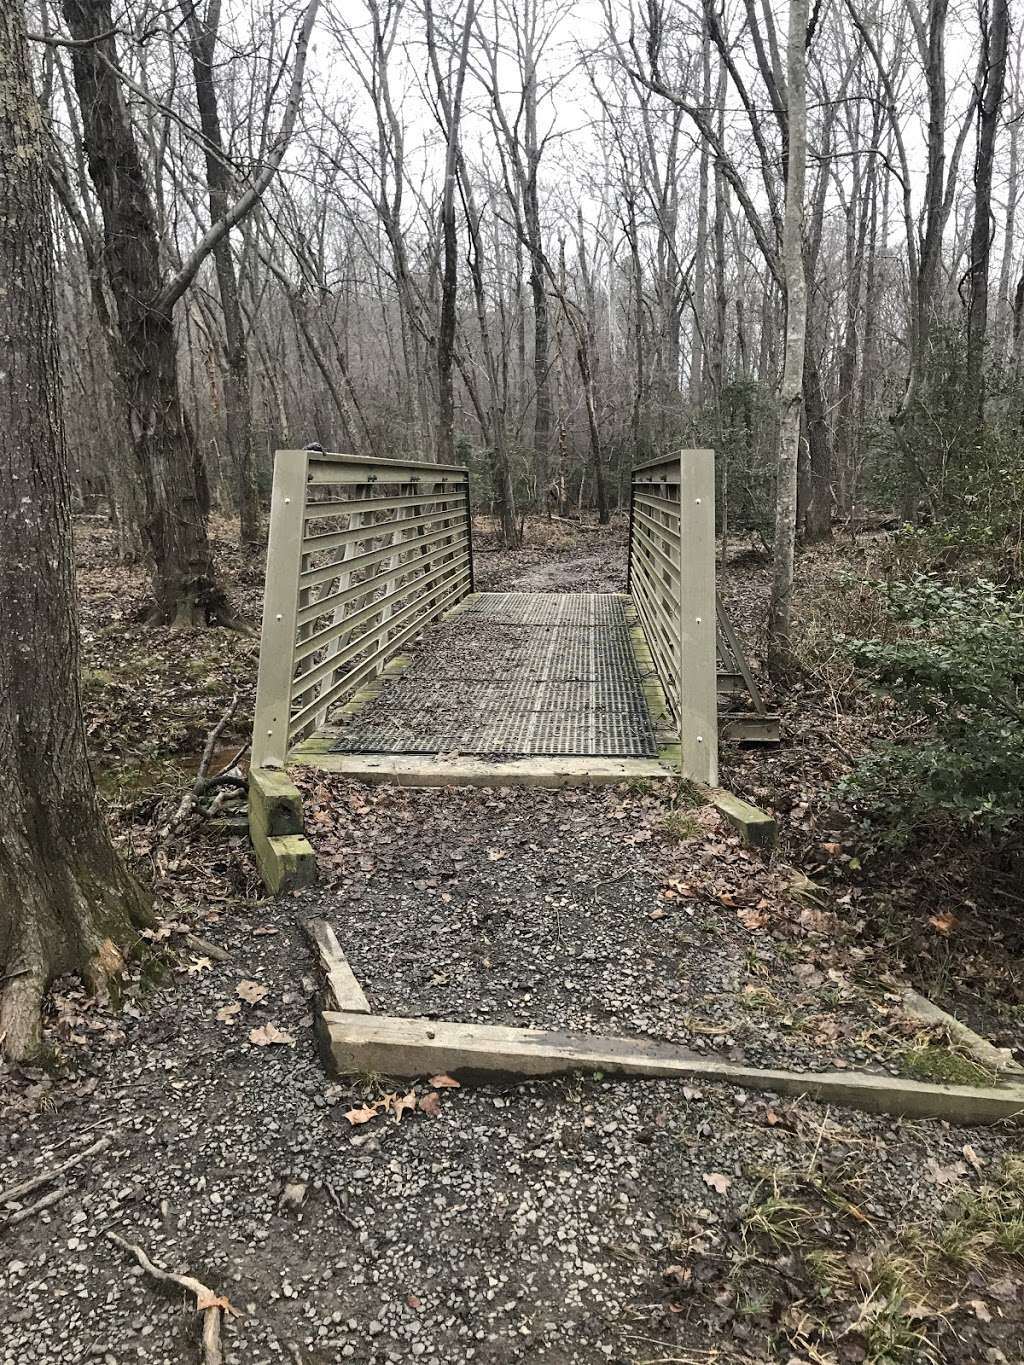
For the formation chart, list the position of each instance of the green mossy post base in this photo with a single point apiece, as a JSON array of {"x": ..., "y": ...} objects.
[{"x": 284, "y": 855}]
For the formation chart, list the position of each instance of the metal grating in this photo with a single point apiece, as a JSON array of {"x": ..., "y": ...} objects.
[{"x": 516, "y": 674}]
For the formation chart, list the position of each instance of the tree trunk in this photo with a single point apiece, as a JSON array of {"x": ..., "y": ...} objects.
[
  {"x": 780, "y": 615},
  {"x": 995, "y": 41},
  {"x": 66, "y": 903},
  {"x": 237, "y": 388},
  {"x": 169, "y": 465}
]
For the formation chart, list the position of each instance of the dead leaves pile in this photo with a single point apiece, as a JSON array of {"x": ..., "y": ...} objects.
[{"x": 428, "y": 1103}]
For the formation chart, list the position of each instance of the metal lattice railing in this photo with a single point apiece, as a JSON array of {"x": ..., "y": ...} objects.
[
  {"x": 671, "y": 579},
  {"x": 362, "y": 555}
]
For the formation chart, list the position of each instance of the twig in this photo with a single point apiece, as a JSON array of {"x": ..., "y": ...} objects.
[
  {"x": 208, "y": 1303},
  {"x": 202, "y": 945},
  {"x": 232, "y": 761},
  {"x": 45, "y": 1177}
]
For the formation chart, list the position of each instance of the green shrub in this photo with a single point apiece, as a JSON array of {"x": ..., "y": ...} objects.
[{"x": 955, "y": 665}]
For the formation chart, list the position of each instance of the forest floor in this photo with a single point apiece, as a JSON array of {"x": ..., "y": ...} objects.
[{"x": 581, "y": 1221}]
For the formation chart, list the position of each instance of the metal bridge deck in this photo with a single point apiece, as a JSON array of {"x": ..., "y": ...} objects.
[{"x": 514, "y": 675}]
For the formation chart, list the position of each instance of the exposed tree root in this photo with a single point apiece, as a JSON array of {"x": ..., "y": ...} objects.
[{"x": 208, "y": 1303}]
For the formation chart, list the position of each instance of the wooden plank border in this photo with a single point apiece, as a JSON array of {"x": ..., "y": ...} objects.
[{"x": 487, "y": 1053}]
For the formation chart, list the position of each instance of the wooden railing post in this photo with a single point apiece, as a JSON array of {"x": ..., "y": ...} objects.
[
  {"x": 280, "y": 608},
  {"x": 698, "y": 687}
]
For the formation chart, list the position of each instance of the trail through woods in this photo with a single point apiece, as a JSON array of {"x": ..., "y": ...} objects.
[{"x": 572, "y": 1221}]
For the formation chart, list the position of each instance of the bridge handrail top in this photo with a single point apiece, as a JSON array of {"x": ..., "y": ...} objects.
[
  {"x": 371, "y": 461},
  {"x": 664, "y": 460}
]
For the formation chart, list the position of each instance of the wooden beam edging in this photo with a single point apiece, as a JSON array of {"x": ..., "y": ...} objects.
[
  {"x": 343, "y": 992},
  {"x": 487, "y": 1053},
  {"x": 755, "y": 827}
]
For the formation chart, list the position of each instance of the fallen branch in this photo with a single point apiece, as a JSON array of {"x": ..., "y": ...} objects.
[
  {"x": 208, "y": 1303},
  {"x": 202, "y": 782},
  {"x": 47, "y": 1177}
]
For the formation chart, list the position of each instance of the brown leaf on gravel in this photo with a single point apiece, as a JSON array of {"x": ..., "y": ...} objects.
[
  {"x": 680, "y": 1275},
  {"x": 495, "y": 855},
  {"x": 972, "y": 1156},
  {"x": 363, "y": 1115},
  {"x": 752, "y": 919},
  {"x": 268, "y": 1034},
  {"x": 944, "y": 923},
  {"x": 227, "y": 1012},
  {"x": 198, "y": 965},
  {"x": 717, "y": 1181},
  {"x": 403, "y": 1103},
  {"x": 431, "y": 1104},
  {"x": 251, "y": 992},
  {"x": 944, "y": 1175},
  {"x": 444, "y": 1083}
]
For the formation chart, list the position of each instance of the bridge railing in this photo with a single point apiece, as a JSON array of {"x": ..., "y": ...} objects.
[
  {"x": 671, "y": 579},
  {"x": 362, "y": 555}
]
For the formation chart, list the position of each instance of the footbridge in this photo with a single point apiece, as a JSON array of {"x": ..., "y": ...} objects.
[{"x": 379, "y": 658}]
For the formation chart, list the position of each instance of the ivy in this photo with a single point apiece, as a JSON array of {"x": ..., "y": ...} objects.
[{"x": 955, "y": 667}]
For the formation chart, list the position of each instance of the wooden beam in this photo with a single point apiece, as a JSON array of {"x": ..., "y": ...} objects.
[
  {"x": 280, "y": 610},
  {"x": 698, "y": 692},
  {"x": 344, "y": 994},
  {"x": 488, "y": 1052}
]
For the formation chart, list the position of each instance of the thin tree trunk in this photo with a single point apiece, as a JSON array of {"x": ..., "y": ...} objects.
[
  {"x": 66, "y": 903},
  {"x": 780, "y": 616},
  {"x": 237, "y": 388},
  {"x": 995, "y": 40}
]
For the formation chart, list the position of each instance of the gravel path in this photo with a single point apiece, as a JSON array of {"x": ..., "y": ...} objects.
[
  {"x": 521, "y": 1224},
  {"x": 568, "y": 1222}
]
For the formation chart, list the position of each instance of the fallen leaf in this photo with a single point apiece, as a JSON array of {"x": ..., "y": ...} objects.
[
  {"x": 227, "y": 1012},
  {"x": 495, "y": 855},
  {"x": 771, "y": 1118},
  {"x": 980, "y": 1310},
  {"x": 251, "y": 992},
  {"x": 752, "y": 919},
  {"x": 972, "y": 1156},
  {"x": 657, "y": 914},
  {"x": 198, "y": 965},
  {"x": 678, "y": 1274},
  {"x": 402, "y": 1103},
  {"x": 270, "y": 1033},
  {"x": 364, "y": 1115},
  {"x": 944, "y": 1175},
  {"x": 204, "y": 1301},
  {"x": 431, "y": 1104},
  {"x": 717, "y": 1181},
  {"x": 944, "y": 923},
  {"x": 444, "y": 1083},
  {"x": 264, "y": 931}
]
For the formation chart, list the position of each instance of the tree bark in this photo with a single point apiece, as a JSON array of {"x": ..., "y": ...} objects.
[
  {"x": 780, "y": 615},
  {"x": 66, "y": 902},
  {"x": 169, "y": 465},
  {"x": 237, "y": 388},
  {"x": 994, "y": 38}
]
